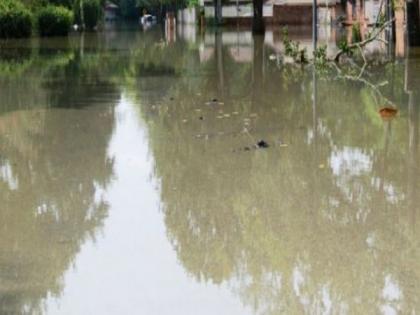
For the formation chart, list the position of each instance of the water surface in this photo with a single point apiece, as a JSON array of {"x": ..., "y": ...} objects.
[{"x": 130, "y": 182}]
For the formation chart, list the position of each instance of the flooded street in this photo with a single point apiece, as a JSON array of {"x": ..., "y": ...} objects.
[{"x": 132, "y": 180}]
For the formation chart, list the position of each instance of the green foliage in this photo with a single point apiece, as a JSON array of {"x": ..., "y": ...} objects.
[
  {"x": 292, "y": 48},
  {"x": 344, "y": 46},
  {"x": 54, "y": 21},
  {"x": 356, "y": 32},
  {"x": 381, "y": 19},
  {"x": 193, "y": 3},
  {"x": 63, "y": 3},
  {"x": 15, "y": 19},
  {"x": 320, "y": 56},
  {"x": 128, "y": 8},
  {"x": 91, "y": 12}
]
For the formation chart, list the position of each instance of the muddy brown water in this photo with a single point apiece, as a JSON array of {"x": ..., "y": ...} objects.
[{"x": 126, "y": 188}]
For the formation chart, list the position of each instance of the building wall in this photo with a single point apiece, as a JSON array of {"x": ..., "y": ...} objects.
[
  {"x": 292, "y": 14},
  {"x": 233, "y": 11},
  {"x": 187, "y": 16}
]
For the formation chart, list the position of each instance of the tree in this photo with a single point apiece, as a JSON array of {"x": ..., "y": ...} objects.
[{"x": 258, "y": 26}]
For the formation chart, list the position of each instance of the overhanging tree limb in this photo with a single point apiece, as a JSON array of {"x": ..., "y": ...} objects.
[{"x": 364, "y": 42}]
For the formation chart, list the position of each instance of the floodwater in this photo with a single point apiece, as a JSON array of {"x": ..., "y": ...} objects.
[{"x": 130, "y": 182}]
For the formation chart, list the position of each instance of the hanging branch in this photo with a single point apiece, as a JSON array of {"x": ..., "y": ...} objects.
[
  {"x": 359, "y": 78},
  {"x": 364, "y": 42}
]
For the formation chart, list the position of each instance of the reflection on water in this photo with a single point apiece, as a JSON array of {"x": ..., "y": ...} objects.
[{"x": 129, "y": 181}]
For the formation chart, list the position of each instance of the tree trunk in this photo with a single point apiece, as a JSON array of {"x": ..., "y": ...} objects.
[
  {"x": 413, "y": 22},
  {"x": 218, "y": 11},
  {"x": 257, "y": 72},
  {"x": 220, "y": 64},
  {"x": 399, "y": 13},
  {"x": 258, "y": 26}
]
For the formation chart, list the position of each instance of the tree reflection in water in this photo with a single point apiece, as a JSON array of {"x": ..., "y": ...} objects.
[
  {"x": 324, "y": 220},
  {"x": 54, "y": 169}
]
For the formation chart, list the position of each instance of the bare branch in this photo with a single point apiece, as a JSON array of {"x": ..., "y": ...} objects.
[
  {"x": 364, "y": 62},
  {"x": 366, "y": 41}
]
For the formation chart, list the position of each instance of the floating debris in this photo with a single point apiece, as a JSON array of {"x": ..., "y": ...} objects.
[
  {"x": 184, "y": 120},
  {"x": 201, "y": 118},
  {"x": 262, "y": 144},
  {"x": 235, "y": 113},
  {"x": 221, "y": 103},
  {"x": 388, "y": 112},
  {"x": 226, "y": 115},
  {"x": 321, "y": 166},
  {"x": 198, "y": 110},
  {"x": 212, "y": 102},
  {"x": 272, "y": 57},
  {"x": 283, "y": 145},
  {"x": 171, "y": 98},
  {"x": 253, "y": 115}
]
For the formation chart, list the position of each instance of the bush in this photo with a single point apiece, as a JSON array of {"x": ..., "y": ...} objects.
[
  {"x": 91, "y": 13},
  {"x": 54, "y": 21},
  {"x": 62, "y": 3},
  {"x": 15, "y": 19}
]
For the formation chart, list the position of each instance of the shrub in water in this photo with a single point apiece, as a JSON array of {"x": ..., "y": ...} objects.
[
  {"x": 15, "y": 19},
  {"x": 54, "y": 21},
  {"x": 91, "y": 13}
]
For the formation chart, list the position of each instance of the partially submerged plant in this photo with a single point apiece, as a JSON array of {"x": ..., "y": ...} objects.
[
  {"x": 292, "y": 48},
  {"x": 320, "y": 56},
  {"x": 344, "y": 47}
]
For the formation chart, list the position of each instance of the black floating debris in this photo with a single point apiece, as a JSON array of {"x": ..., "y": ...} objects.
[
  {"x": 201, "y": 117},
  {"x": 214, "y": 100},
  {"x": 171, "y": 98},
  {"x": 259, "y": 145},
  {"x": 262, "y": 144}
]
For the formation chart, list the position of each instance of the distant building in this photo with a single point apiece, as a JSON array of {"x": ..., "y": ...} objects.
[{"x": 297, "y": 12}]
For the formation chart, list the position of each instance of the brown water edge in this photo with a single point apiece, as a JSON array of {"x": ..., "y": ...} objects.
[{"x": 125, "y": 186}]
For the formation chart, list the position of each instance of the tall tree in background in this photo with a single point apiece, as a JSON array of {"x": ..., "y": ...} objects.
[
  {"x": 258, "y": 26},
  {"x": 218, "y": 11}
]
